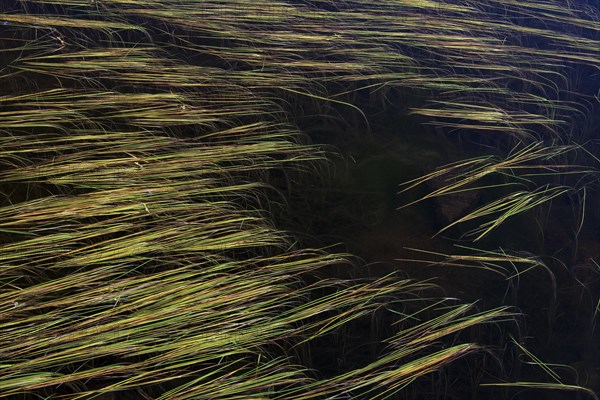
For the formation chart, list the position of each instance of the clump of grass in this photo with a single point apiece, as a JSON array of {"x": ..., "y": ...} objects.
[
  {"x": 138, "y": 253},
  {"x": 523, "y": 167}
]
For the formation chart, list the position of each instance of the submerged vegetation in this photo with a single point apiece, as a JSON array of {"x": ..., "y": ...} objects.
[{"x": 166, "y": 210}]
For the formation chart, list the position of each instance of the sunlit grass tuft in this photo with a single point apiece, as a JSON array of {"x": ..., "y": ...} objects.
[{"x": 139, "y": 145}]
